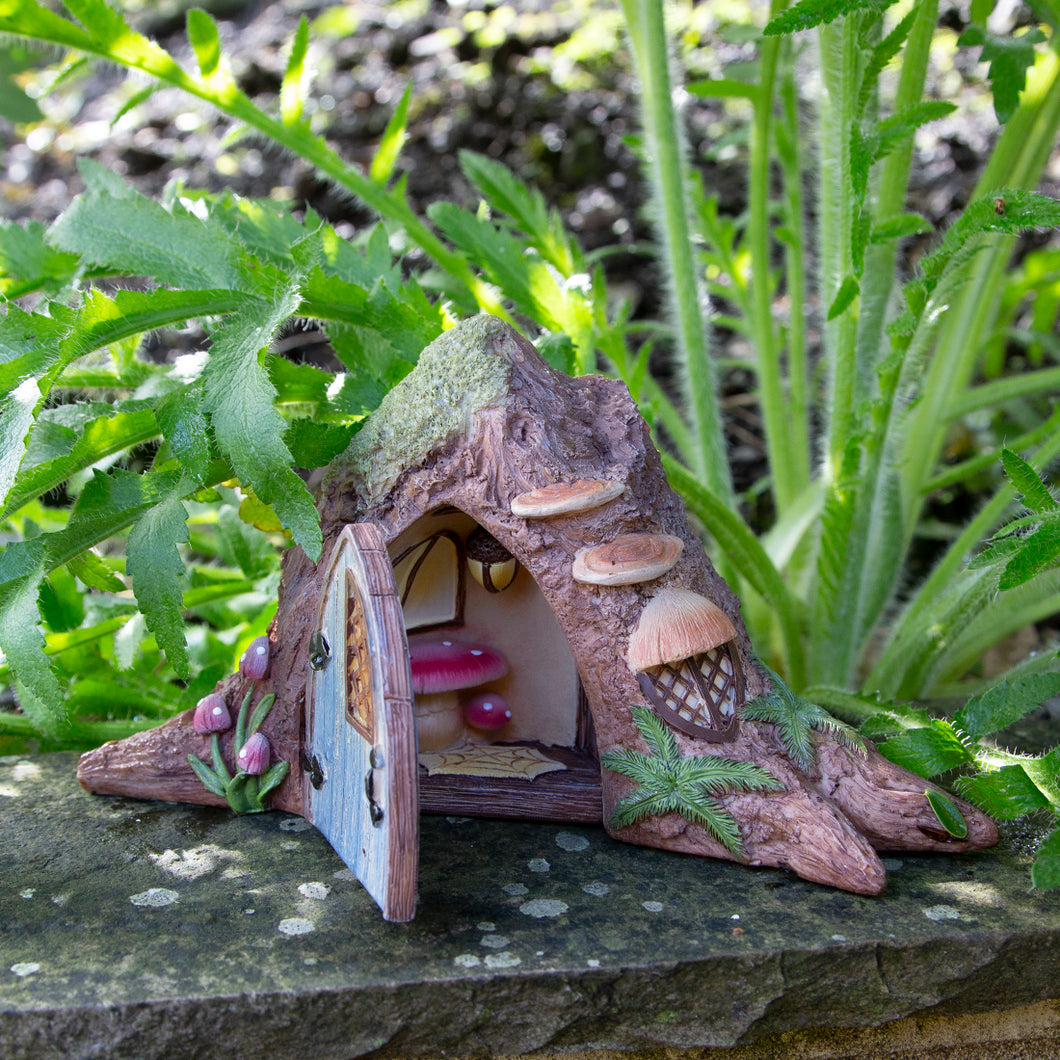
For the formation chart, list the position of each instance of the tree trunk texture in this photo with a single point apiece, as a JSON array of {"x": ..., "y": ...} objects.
[{"x": 518, "y": 425}]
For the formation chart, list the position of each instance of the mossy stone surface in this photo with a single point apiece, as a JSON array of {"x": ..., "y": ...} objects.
[{"x": 141, "y": 929}]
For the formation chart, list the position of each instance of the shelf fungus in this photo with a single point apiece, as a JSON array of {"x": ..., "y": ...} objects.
[
  {"x": 563, "y": 498},
  {"x": 628, "y": 559},
  {"x": 681, "y": 654}
]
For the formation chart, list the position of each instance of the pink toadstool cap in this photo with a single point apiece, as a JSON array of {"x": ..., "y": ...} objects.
[{"x": 443, "y": 664}]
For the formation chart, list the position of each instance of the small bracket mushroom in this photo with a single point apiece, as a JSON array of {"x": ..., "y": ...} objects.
[
  {"x": 562, "y": 498},
  {"x": 628, "y": 559}
]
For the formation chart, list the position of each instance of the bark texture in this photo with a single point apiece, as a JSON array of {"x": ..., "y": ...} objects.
[{"x": 482, "y": 420}]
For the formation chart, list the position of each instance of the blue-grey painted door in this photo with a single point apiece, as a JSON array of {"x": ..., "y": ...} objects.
[{"x": 361, "y": 787}]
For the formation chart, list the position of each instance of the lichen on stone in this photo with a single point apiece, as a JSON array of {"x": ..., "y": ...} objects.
[{"x": 459, "y": 373}]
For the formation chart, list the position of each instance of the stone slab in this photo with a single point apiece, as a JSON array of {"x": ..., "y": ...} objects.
[{"x": 146, "y": 930}]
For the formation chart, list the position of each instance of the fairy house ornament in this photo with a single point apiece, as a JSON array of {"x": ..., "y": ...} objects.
[{"x": 512, "y": 617}]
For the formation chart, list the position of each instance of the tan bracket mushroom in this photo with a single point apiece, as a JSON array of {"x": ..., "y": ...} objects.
[
  {"x": 627, "y": 560},
  {"x": 562, "y": 498}
]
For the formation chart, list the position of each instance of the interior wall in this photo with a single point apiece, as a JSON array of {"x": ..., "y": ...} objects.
[{"x": 542, "y": 685}]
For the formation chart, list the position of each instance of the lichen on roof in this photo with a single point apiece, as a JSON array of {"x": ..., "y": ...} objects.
[{"x": 459, "y": 373}]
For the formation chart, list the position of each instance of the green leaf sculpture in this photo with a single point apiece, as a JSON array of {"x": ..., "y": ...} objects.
[
  {"x": 667, "y": 782},
  {"x": 795, "y": 719}
]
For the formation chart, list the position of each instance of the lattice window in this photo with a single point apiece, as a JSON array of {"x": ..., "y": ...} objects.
[
  {"x": 699, "y": 696},
  {"x": 358, "y": 665}
]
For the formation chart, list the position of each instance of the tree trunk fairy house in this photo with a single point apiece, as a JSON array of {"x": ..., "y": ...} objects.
[{"x": 512, "y": 617}]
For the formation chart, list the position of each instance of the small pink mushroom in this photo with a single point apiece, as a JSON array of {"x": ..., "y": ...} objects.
[
  {"x": 254, "y": 662},
  {"x": 487, "y": 711},
  {"x": 254, "y": 756},
  {"x": 211, "y": 715},
  {"x": 442, "y": 666}
]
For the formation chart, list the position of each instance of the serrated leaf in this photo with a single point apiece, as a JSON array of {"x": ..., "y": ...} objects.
[
  {"x": 93, "y": 573},
  {"x": 25, "y": 255},
  {"x": 16, "y": 418},
  {"x": 1010, "y": 58},
  {"x": 1027, "y": 483},
  {"x": 136, "y": 236},
  {"x": 882, "y": 53},
  {"x": 945, "y": 809},
  {"x": 205, "y": 40},
  {"x": 1045, "y": 872},
  {"x": 315, "y": 444},
  {"x": 1005, "y": 794},
  {"x": 810, "y": 13},
  {"x": 256, "y": 513},
  {"x": 157, "y": 571},
  {"x": 1038, "y": 552},
  {"x": 392, "y": 141},
  {"x": 22, "y": 642},
  {"x": 184, "y": 427},
  {"x": 1005, "y": 704},
  {"x": 248, "y": 429},
  {"x": 928, "y": 751}
]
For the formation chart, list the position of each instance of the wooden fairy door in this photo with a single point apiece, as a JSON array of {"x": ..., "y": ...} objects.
[{"x": 360, "y": 758}]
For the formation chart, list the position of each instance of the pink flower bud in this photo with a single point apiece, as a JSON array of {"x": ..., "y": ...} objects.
[
  {"x": 211, "y": 715},
  {"x": 254, "y": 662},
  {"x": 254, "y": 756},
  {"x": 487, "y": 711}
]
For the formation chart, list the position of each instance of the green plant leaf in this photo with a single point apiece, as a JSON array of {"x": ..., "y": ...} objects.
[
  {"x": 205, "y": 40},
  {"x": 39, "y": 694},
  {"x": 157, "y": 573},
  {"x": 1028, "y": 484},
  {"x": 125, "y": 231},
  {"x": 1005, "y": 704},
  {"x": 184, "y": 426},
  {"x": 928, "y": 751},
  {"x": 810, "y": 13},
  {"x": 293, "y": 86},
  {"x": 1010, "y": 58},
  {"x": 1045, "y": 872},
  {"x": 1037, "y": 552},
  {"x": 905, "y": 224},
  {"x": 248, "y": 429},
  {"x": 1005, "y": 793},
  {"x": 945, "y": 809},
  {"x": 392, "y": 141},
  {"x": 849, "y": 289}
]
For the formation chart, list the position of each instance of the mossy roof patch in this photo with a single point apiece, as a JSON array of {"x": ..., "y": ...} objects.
[{"x": 462, "y": 371}]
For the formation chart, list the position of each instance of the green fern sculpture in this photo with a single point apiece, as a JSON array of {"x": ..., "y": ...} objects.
[
  {"x": 670, "y": 783},
  {"x": 796, "y": 719}
]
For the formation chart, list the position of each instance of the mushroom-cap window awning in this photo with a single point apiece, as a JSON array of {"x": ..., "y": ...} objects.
[
  {"x": 685, "y": 664},
  {"x": 562, "y": 498},
  {"x": 627, "y": 560}
]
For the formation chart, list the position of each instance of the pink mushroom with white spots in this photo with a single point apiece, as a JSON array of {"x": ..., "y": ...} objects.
[{"x": 442, "y": 668}]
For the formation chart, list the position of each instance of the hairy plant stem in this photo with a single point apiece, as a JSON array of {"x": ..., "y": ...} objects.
[
  {"x": 785, "y": 441},
  {"x": 840, "y": 72},
  {"x": 668, "y": 174},
  {"x": 877, "y": 282}
]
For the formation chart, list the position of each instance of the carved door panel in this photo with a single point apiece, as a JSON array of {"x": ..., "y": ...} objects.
[{"x": 361, "y": 767}]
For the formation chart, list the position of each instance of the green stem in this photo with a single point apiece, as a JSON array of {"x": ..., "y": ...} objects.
[
  {"x": 840, "y": 72},
  {"x": 879, "y": 273},
  {"x": 789, "y": 469},
  {"x": 668, "y": 175}
]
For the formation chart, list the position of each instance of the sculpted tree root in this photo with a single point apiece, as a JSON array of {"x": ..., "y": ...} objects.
[{"x": 562, "y": 473}]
